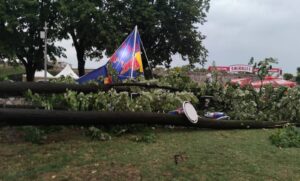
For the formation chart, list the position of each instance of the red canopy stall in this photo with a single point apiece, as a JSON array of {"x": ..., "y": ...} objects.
[{"x": 274, "y": 81}]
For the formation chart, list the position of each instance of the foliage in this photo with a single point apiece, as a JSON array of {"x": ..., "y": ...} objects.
[
  {"x": 38, "y": 134},
  {"x": 63, "y": 79},
  {"x": 74, "y": 17},
  {"x": 164, "y": 25},
  {"x": 271, "y": 104},
  {"x": 298, "y": 76},
  {"x": 152, "y": 101},
  {"x": 97, "y": 134},
  {"x": 6, "y": 71},
  {"x": 47, "y": 102},
  {"x": 263, "y": 68},
  {"x": 146, "y": 137},
  {"x": 288, "y": 76},
  {"x": 34, "y": 134},
  {"x": 20, "y": 25},
  {"x": 289, "y": 136},
  {"x": 178, "y": 78},
  {"x": 251, "y": 61}
]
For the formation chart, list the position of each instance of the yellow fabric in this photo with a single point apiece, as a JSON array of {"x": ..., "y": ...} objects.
[{"x": 138, "y": 57}]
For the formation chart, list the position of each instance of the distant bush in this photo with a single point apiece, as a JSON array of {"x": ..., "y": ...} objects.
[
  {"x": 288, "y": 76},
  {"x": 298, "y": 76}
]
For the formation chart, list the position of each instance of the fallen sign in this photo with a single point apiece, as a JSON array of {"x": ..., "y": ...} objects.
[{"x": 22, "y": 117}]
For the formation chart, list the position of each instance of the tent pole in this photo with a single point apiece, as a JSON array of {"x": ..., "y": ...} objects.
[
  {"x": 133, "y": 54},
  {"x": 146, "y": 57}
]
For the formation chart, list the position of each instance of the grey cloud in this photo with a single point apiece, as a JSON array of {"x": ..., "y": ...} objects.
[{"x": 239, "y": 29}]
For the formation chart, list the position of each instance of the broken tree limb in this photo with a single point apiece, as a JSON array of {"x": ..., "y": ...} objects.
[
  {"x": 21, "y": 117},
  {"x": 19, "y": 88}
]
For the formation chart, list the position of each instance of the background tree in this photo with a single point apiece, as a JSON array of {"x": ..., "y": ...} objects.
[
  {"x": 21, "y": 22},
  {"x": 251, "y": 61},
  {"x": 85, "y": 22},
  {"x": 263, "y": 69},
  {"x": 288, "y": 76},
  {"x": 166, "y": 27},
  {"x": 298, "y": 75}
]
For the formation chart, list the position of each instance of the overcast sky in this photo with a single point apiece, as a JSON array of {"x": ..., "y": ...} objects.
[{"x": 239, "y": 29}]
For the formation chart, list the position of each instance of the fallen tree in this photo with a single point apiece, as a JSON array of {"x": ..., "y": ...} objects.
[
  {"x": 19, "y": 88},
  {"x": 20, "y": 117}
]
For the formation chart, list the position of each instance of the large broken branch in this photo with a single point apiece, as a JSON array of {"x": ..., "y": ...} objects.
[{"x": 15, "y": 117}]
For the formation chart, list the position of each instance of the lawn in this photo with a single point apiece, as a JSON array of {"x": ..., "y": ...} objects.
[{"x": 200, "y": 155}]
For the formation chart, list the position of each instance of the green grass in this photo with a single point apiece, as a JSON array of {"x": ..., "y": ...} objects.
[
  {"x": 9, "y": 70},
  {"x": 205, "y": 155}
]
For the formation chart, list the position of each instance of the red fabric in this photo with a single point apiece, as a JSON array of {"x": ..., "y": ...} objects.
[
  {"x": 241, "y": 81},
  {"x": 274, "y": 81}
]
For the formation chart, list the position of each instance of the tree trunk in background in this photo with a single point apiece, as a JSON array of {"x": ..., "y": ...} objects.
[
  {"x": 147, "y": 69},
  {"x": 81, "y": 61},
  {"x": 30, "y": 71}
]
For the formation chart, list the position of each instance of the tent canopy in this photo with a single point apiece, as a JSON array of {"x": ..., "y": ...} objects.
[
  {"x": 241, "y": 81},
  {"x": 126, "y": 60},
  {"x": 67, "y": 71},
  {"x": 41, "y": 74},
  {"x": 274, "y": 81},
  {"x": 94, "y": 75},
  {"x": 268, "y": 80}
]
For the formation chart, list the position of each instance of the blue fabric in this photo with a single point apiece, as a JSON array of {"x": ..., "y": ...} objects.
[
  {"x": 124, "y": 58},
  {"x": 93, "y": 75}
]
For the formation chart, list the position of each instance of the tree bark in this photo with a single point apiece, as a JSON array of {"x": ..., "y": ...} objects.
[
  {"x": 81, "y": 64},
  {"x": 19, "y": 88},
  {"x": 30, "y": 71},
  {"x": 15, "y": 117},
  {"x": 79, "y": 53}
]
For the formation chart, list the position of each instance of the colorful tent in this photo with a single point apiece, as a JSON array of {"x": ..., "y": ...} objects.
[
  {"x": 274, "y": 81},
  {"x": 241, "y": 81},
  {"x": 94, "y": 75},
  {"x": 269, "y": 80},
  {"x": 126, "y": 60}
]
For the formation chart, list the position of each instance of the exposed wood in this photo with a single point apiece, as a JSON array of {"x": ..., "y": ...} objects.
[
  {"x": 19, "y": 88},
  {"x": 15, "y": 117}
]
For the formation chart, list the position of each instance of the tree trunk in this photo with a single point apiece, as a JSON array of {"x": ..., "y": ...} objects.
[
  {"x": 30, "y": 71},
  {"x": 15, "y": 117},
  {"x": 147, "y": 69},
  {"x": 79, "y": 52},
  {"x": 19, "y": 88},
  {"x": 81, "y": 61}
]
